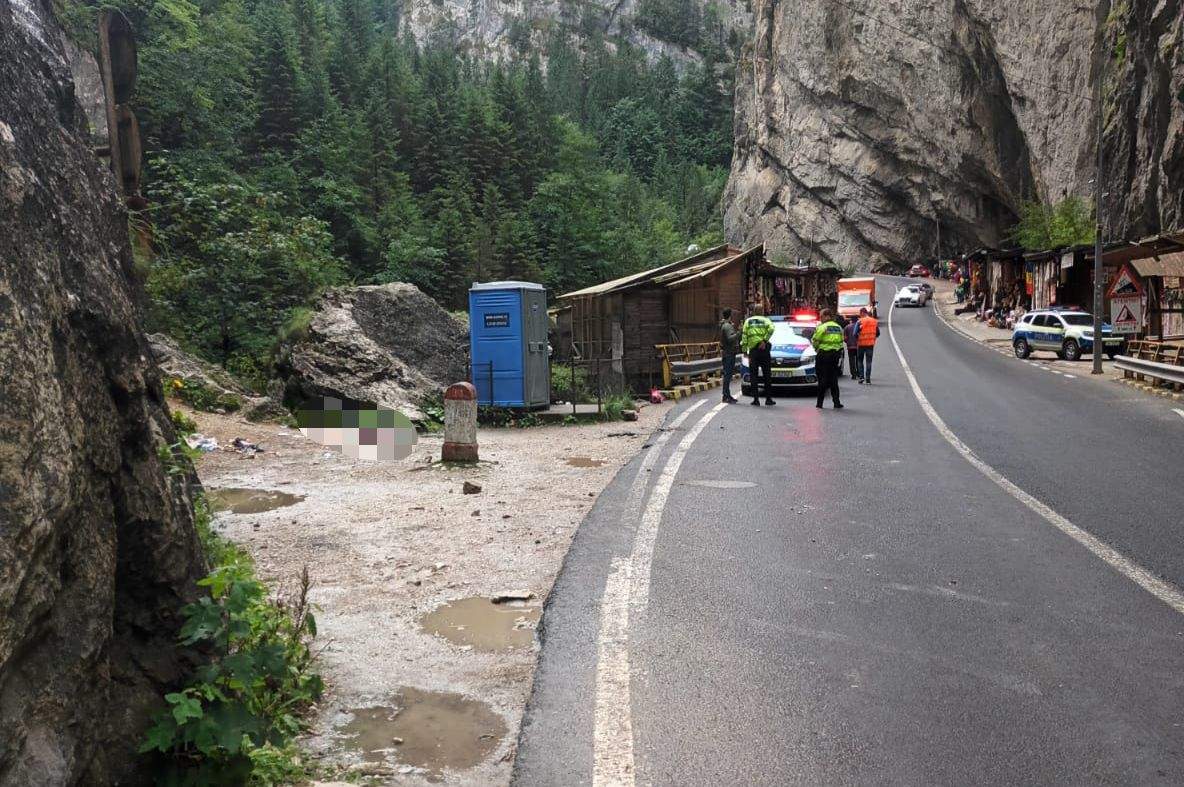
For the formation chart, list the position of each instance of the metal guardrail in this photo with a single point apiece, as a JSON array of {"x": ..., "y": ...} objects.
[
  {"x": 696, "y": 359},
  {"x": 696, "y": 368},
  {"x": 1156, "y": 360}
]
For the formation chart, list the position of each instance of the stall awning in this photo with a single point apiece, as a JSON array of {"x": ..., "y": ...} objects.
[{"x": 1163, "y": 265}]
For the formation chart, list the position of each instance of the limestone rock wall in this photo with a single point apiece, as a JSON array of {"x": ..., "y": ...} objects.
[
  {"x": 97, "y": 546},
  {"x": 855, "y": 136},
  {"x": 493, "y": 29}
]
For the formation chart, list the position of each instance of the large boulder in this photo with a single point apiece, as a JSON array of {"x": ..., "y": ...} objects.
[
  {"x": 97, "y": 546},
  {"x": 389, "y": 344}
]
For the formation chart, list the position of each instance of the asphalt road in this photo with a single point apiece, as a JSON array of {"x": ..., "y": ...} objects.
[{"x": 843, "y": 598}]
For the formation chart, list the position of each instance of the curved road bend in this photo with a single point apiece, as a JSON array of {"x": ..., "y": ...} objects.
[{"x": 843, "y": 598}]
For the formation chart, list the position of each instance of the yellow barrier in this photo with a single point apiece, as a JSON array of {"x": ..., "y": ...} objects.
[{"x": 678, "y": 353}]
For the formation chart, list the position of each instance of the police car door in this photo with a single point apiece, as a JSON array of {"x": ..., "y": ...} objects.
[
  {"x": 1040, "y": 337},
  {"x": 1054, "y": 333},
  {"x": 1036, "y": 332}
]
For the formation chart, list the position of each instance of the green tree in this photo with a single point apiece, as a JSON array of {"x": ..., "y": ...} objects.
[
  {"x": 278, "y": 81},
  {"x": 1069, "y": 222}
]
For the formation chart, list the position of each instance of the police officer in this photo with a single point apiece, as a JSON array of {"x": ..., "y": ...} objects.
[
  {"x": 828, "y": 342},
  {"x": 757, "y": 335}
]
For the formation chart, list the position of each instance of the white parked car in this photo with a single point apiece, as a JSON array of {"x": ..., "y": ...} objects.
[{"x": 912, "y": 295}]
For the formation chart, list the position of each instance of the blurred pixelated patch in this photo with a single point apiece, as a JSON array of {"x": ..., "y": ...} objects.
[{"x": 361, "y": 430}]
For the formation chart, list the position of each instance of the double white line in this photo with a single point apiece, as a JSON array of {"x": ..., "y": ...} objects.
[{"x": 627, "y": 592}]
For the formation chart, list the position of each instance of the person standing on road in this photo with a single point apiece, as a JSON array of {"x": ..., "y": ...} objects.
[
  {"x": 850, "y": 338},
  {"x": 828, "y": 343},
  {"x": 729, "y": 347},
  {"x": 866, "y": 333},
  {"x": 758, "y": 333}
]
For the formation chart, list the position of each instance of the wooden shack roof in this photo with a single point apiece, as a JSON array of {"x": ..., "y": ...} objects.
[
  {"x": 704, "y": 269},
  {"x": 708, "y": 257}
]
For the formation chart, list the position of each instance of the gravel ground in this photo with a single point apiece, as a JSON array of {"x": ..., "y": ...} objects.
[{"x": 387, "y": 542}]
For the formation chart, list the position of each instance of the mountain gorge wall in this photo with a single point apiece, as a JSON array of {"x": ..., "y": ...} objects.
[
  {"x": 98, "y": 550},
  {"x": 499, "y": 29},
  {"x": 855, "y": 136}
]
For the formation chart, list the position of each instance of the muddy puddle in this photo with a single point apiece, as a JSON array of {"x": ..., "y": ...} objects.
[
  {"x": 584, "y": 461},
  {"x": 250, "y": 501},
  {"x": 426, "y": 730},
  {"x": 483, "y": 625}
]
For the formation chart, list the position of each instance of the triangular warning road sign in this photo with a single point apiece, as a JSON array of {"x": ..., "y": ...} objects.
[
  {"x": 1125, "y": 314},
  {"x": 1127, "y": 282}
]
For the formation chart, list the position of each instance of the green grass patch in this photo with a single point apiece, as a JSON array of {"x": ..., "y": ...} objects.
[
  {"x": 613, "y": 407},
  {"x": 234, "y": 719},
  {"x": 199, "y": 397}
]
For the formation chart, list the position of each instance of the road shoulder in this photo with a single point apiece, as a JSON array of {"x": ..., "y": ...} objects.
[{"x": 387, "y": 543}]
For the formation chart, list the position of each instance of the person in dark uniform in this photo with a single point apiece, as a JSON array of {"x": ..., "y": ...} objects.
[
  {"x": 756, "y": 340},
  {"x": 828, "y": 343}
]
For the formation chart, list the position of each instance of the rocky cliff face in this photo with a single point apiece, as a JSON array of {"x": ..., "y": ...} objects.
[
  {"x": 493, "y": 29},
  {"x": 97, "y": 546},
  {"x": 854, "y": 139}
]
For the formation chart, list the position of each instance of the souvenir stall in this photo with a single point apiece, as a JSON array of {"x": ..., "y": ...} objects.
[{"x": 786, "y": 289}]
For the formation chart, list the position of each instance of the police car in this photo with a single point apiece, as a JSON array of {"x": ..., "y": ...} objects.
[
  {"x": 792, "y": 351},
  {"x": 1068, "y": 333}
]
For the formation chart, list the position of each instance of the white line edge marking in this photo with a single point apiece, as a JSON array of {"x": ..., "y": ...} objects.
[
  {"x": 651, "y": 518},
  {"x": 612, "y": 733},
  {"x": 1178, "y": 411},
  {"x": 1164, "y": 591},
  {"x": 612, "y": 762}
]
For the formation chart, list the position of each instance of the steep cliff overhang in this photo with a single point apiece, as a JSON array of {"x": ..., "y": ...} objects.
[{"x": 867, "y": 133}]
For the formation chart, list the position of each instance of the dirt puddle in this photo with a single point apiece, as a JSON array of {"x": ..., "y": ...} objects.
[
  {"x": 426, "y": 730},
  {"x": 250, "y": 501},
  {"x": 483, "y": 625},
  {"x": 584, "y": 461}
]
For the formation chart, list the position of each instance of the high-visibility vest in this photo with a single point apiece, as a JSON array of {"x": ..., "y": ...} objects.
[
  {"x": 828, "y": 337},
  {"x": 757, "y": 329},
  {"x": 867, "y": 331}
]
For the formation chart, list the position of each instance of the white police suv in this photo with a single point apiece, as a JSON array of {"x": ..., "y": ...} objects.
[
  {"x": 1067, "y": 333},
  {"x": 792, "y": 354}
]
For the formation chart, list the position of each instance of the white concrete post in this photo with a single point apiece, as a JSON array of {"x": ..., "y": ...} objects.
[{"x": 460, "y": 423}]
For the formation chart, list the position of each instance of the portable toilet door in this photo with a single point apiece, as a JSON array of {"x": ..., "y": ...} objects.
[
  {"x": 508, "y": 343},
  {"x": 538, "y": 357}
]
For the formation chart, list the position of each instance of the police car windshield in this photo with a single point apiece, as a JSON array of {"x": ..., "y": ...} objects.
[
  {"x": 784, "y": 333},
  {"x": 1078, "y": 319}
]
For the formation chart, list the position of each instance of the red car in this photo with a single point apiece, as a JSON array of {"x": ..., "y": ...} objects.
[{"x": 919, "y": 271}]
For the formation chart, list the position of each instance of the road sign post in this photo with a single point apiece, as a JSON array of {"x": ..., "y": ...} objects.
[{"x": 1099, "y": 301}]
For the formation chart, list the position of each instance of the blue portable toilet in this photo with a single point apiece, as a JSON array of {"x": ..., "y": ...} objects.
[{"x": 508, "y": 344}]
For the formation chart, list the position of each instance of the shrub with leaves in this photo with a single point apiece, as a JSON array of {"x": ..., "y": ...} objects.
[
  {"x": 569, "y": 387},
  {"x": 1070, "y": 222},
  {"x": 199, "y": 397},
  {"x": 243, "y": 706},
  {"x": 614, "y": 407},
  {"x": 184, "y": 425}
]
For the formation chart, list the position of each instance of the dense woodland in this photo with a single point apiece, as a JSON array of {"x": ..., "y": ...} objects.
[{"x": 296, "y": 144}]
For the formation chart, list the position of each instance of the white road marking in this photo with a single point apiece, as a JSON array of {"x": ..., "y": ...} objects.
[
  {"x": 1178, "y": 412},
  {"x": 612, "y": 735},
  {"x": 1164, "y": 591},
  {"x": 647, "y": 531},
  {"x": 1073, "y": 376},
  {"x": 613, "y": 731}
]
